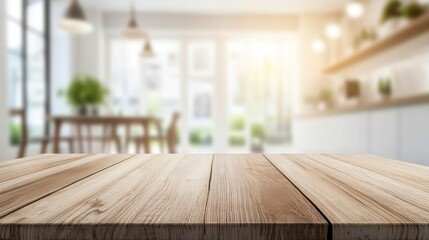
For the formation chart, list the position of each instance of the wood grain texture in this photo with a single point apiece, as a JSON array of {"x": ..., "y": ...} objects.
[
  {"x": 25, "y": 166},
  {"x": 144, "y": 197},
  {"x": 250, "y": 199},
  {"x": 362, "y": 202},
  {"x": 24, "y": 159},
  {"x": 33, "y": 182},
  {"x": 416, "y": 176}
]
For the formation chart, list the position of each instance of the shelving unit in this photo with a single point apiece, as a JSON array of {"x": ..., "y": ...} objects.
[
  {"x": 370, "y": 106},
  {"x": 414, "y": 29}
]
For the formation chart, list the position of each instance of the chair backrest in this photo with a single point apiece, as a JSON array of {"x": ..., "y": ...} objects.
[
  {"x": 172, "y": 133},
  {"x": 20, "y": 113}
]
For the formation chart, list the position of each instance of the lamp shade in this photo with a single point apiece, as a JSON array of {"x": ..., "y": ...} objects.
[
  {"x": 132, "y": 31},
  {"x": 147, "y": 51},
  {"x": 74, "y": 20}
]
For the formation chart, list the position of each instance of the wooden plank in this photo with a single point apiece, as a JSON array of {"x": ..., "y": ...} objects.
[
  {"x": 24, "y": 159},
  {"x": 144, "y": 197},
  {"x": 14, "y": 169},
  {"x": 359, "y": 203},
  {"x": 369, "y": 106},
  {"x": 408, "y": 173},
  {"x": 250, "y": 199},
  {"x": 25, "y": 189}
]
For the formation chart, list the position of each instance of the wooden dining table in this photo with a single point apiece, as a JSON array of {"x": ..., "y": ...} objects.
[
  {"x": 110, "y": 121},
  {"x": 213, "y": 196}
]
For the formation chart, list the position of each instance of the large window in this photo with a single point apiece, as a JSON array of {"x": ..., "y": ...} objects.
[
  {"x": 260, "y": 74},
  {"x": 234, "y": 94},
  {"x": 26, "y": 43},
  {"x": 15, "y": 52}
]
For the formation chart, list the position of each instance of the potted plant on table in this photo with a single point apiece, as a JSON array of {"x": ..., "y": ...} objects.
[
  {"x": 85, "y": 92},
  {"x": 257, "y": 137}
]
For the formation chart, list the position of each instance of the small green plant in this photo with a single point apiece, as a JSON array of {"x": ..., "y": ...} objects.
[
  {"x": 391, "y": 10},
  {"x": 258, "y": 131},
  {"x": 85, "y": 91},
  {"x": 366, "y": 35},
  {"x": 327, "y": 96},
  {"x": 412, "y": 10},
  {"x": 385, "y": 86},
  {"x": 236, "y": 122}
]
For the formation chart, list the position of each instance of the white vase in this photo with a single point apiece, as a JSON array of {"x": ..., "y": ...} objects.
[
  {"x": 404, "y": 22},
  {"x": 389, "y": 27}
]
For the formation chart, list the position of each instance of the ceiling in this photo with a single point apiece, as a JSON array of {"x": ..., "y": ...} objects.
[{"x": 219, "y": 6}]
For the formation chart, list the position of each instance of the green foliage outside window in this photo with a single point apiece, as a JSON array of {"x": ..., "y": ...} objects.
[
  {"x": 201, "y": 137},
  {"x": 14, "y": 134},
  {"x": 237, "y": 141}
]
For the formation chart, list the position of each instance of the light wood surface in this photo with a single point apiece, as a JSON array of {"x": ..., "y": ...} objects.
[
  {"x": 253, "y": 196},
  {"x": 146, "y": 197},
  {"x": 363, "y": 202},
  {"x": 31, "y": 186},
  {"x": 413, "y": 30},
  {"x": 30, "y": 165},
  {"x": 250, "y": 199}
]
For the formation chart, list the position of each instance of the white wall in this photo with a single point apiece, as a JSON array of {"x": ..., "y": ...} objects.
[
  {"x": 205, "y": 22},
  {"x": 311, "y": 27},
  {"x": 88, "y": 48},
  {"x": 62, "y": 64},
  {"x": 4, "y": 146}
]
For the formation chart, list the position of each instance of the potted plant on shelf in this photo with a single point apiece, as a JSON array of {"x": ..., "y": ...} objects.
[
  {"x": 390, "y": 17},
  {"x": 385, "y": 87},
  {"x": 411, "y": 11},
  {"x": 85, "y": 93},
  {"x": 365, "y": 38},
  {"x": 326, "y": 99}
]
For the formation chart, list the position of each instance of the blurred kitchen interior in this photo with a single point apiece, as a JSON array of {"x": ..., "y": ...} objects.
[{"x": 224, "y": 76}]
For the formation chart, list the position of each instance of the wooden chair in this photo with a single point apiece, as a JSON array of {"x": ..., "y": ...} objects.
[
  {"x": 44, "y": 141},
  {"x": 20, "y": 113},
  {"x": 170, "y": 136},
  {"x": 109, "y": 134}
]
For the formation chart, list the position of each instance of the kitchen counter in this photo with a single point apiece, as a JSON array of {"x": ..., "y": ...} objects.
[{"x": 184, "y": 196}]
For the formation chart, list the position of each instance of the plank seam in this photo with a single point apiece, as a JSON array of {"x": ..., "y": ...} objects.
[
  {"x": 59, "y": 189},
  {"x": 208, "y": 194},
  {"x": 39, "y": 159},
  {"x": 330, "y": 235}
]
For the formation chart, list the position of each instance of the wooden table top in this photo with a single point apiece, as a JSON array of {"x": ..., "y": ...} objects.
[
  {"x": 101, "y": 196},
  {"x": 102, "y": 119}
]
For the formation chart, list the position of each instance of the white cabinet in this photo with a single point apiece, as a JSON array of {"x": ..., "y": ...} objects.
[
  {"x": 414, "y": 134},
  {"x": 334, "y": 134},
  {"x": 400, "y": 133},
  {"x": 384, "y": 133}
]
